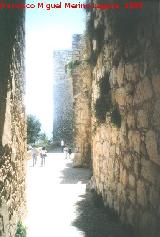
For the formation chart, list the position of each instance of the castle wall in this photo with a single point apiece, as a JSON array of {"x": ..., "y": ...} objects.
[
  {"x": 12, "y": 122},
  {"x": 63, "y": 101},
  {"x": 124, "y": 82}
]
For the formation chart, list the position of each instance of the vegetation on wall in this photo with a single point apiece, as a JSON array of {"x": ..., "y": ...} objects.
[
  {"x": 72, "y": 64},
  {"x": 103, "y": 103},
  {"x": 104, "y": 106},
  {"x": 21, "y": 230}
]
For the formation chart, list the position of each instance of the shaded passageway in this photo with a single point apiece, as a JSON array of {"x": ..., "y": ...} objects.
[{"x": 58, "y": 204}]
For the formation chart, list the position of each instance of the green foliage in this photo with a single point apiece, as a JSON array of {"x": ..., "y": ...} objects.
[
  {"x": 21, "y": 230},
  {"x": 43, "y": 140},
  {"x": 72, "y": 64},
  {"x": 33, "y": 129}
]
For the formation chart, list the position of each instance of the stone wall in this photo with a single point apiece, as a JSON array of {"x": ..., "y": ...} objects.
[
  {"x": 80, "y": 73},
  {"x": 125, "y": 113},
  {"x": 12, "y": 122},
  {"x": 63, "y": 99},
  {"x": 64, "y": 62},
  {"x": 125, "y": 118}
]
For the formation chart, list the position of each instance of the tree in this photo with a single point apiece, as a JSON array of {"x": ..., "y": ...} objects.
[
  {"x": 44, "y": 140},
  {"x": 33, "y": 129}
]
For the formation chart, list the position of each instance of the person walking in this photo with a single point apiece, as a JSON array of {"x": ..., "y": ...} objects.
[
  {"x": 69, "y": 152},
  {"x": 65, "y": 150},
  {"x": 43, "y": 155},
  {"x": 34, "y": 155},
  {"x": 62, "y": 145}
]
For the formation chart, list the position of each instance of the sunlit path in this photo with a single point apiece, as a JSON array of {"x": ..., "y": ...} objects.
[
  {"x": 52, "y": 196},
  {"x": 59, "y": 205}
]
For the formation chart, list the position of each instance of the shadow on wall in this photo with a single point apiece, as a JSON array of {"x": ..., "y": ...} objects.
[
  {"x": 97, "y": 221},
  {"x": 8, "y": 28}
]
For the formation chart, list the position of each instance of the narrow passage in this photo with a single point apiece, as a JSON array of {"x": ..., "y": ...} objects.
[{"x": 60, "y": 206}]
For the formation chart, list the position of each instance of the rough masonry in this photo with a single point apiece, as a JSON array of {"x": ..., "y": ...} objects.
[
  {"x": 12, "y": 122},
  {"x": 63, "y": 99},
  {"x": 125, "y": 112},
  {"x": 80, "y": 74},
  {"x": 63, "y": 90}
]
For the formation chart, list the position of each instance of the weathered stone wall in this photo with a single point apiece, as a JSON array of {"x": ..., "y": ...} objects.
[
  {"x": 126, "y": 113},
  {"x": 63, "y": 99},
  {"x": 12, "y": 122},
  {"x": 66, "y": 71},
  {"x": 80, "y": 74}
]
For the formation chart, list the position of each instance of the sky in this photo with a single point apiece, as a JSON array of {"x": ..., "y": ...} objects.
[{"x": 46, "y": 31}]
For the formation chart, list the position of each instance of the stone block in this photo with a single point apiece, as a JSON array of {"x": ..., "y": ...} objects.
[
  {"x": 117, "y": 150},
  {"x": 120, "y": 75},
  {"x": 156, "y": 115},
  {"x": 112, "y": 151},
  {"x": 142, "y": 119},
  {"x": 129, "y": 88},
  {"x": 141, "y": 193},
  {"x": 151, "y": 146},
  {"x": 131, "y": 120},
  {"x": 143, "y": 150},
  {"x": 120, "y": 96},
  {"x": 156, "y": 84},
  {"x": 129, "y": 101},
  {"x": 113, "y": 77},
  {"x": 119, "y": 189},
  {"x": 154, "y": 197},
  {"x": 148, "y": 171},
  {"x": 124, "y": 176},
  {"x": 132, "y": 197},
  {"x": 114, "y": 135},
  {"x": 105, "y": 149},
  {"x": 134, "y": 140},
  {"x": 77, "y": 161},
  {"x": 132, "y": 181},
  {"x": 143, "y": 91},
  {"x": 123, "y": 129},
  {"x": 127, "y": 161},
  {"x": 132, "y": 72}
]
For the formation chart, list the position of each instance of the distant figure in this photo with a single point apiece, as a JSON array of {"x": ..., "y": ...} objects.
[
  {"x": 62, "y": 145},
  {"x": 69, "y": 152},
  {"x": 34, "y": 156},
  {"x": 43, "y": 155},
  {"x": 65, "y": 151}
]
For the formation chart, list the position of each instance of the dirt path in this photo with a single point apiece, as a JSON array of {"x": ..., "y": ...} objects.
[{"x": 59, "y": 206}]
